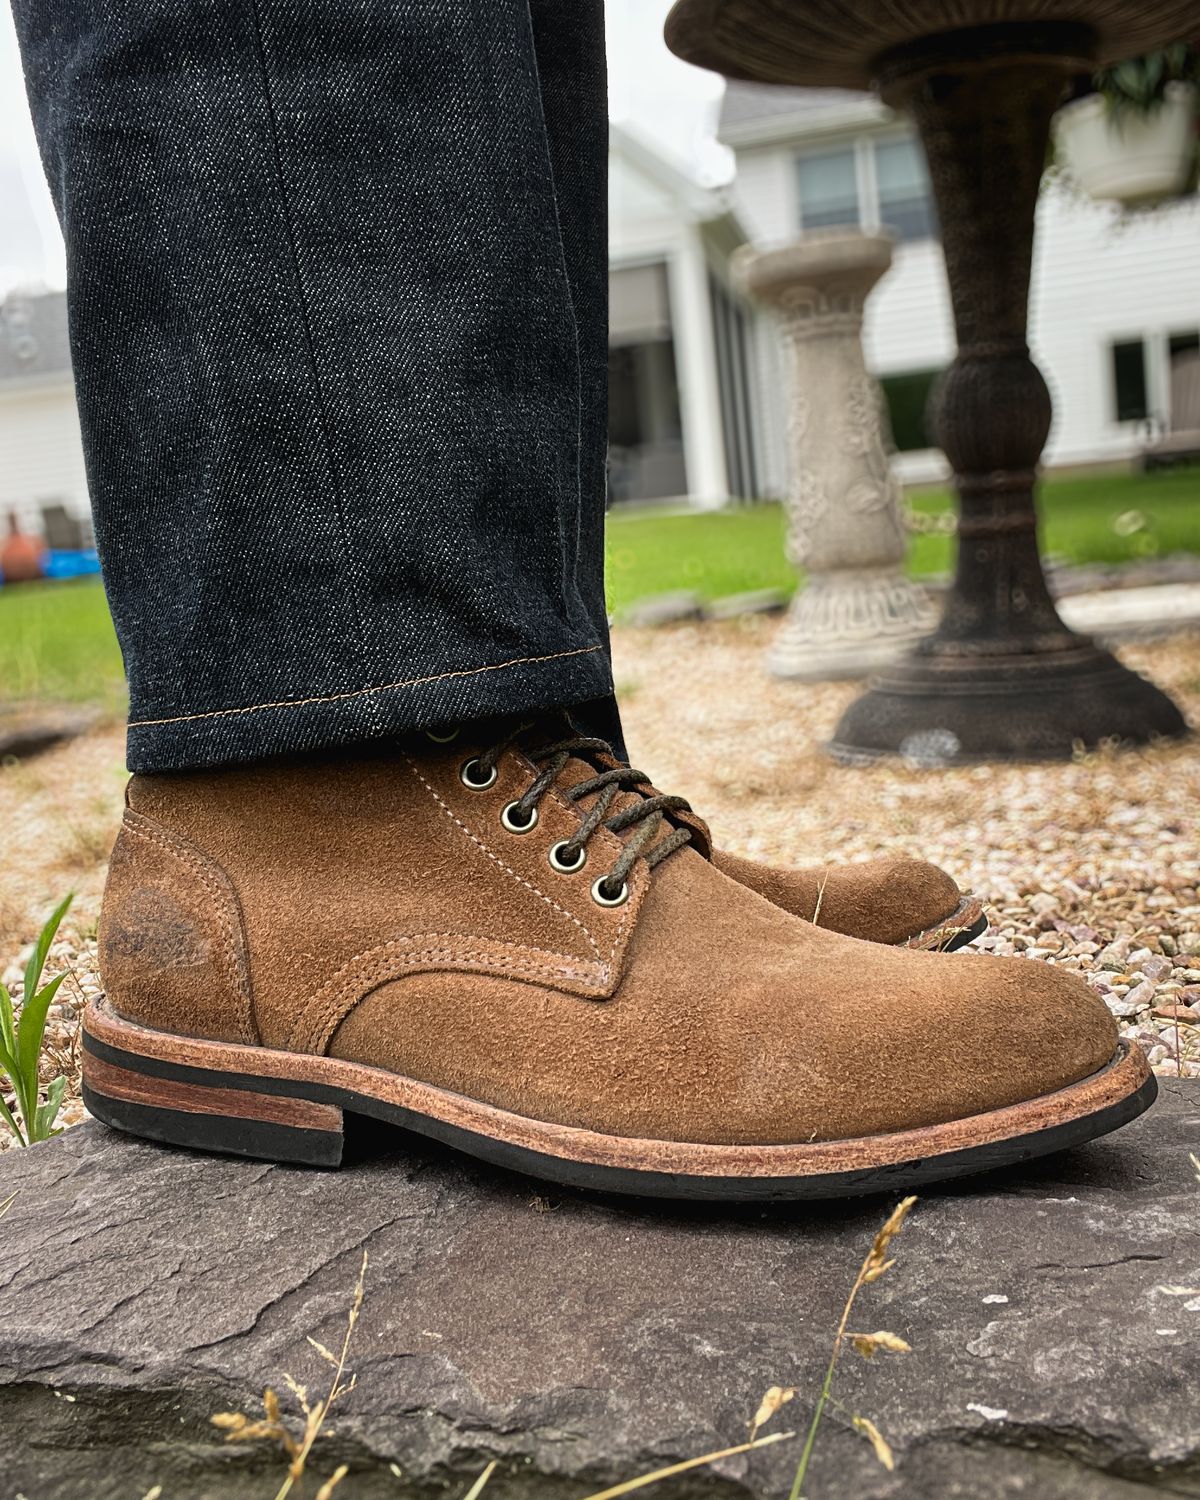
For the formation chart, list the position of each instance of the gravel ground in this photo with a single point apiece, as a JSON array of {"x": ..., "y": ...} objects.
[{"x": 1093, "y": 865}]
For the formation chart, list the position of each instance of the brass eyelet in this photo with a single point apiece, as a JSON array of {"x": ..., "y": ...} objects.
[
  {"x": 558, "y": 863},
  {"x": 442, "y": 739},
  {"x": 514, "y": 826},
  {"x": 464, "y": 775},
  {"x": 601, "y": 899}
]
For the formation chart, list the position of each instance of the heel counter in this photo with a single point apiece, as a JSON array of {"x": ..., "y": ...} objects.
[{"x": 172, "y": 949}]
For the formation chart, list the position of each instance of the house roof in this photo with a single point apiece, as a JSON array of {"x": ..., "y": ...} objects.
[
  {"x": 755, "y": 113},
  {"x": 694, "y": 202},
  {"x": 34, "y": 344}
]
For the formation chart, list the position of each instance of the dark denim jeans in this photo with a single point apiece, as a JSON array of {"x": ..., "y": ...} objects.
[{"x": 338, "y": 317}]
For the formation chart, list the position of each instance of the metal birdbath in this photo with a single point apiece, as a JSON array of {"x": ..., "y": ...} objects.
[{"x": 1002, "y": 677}]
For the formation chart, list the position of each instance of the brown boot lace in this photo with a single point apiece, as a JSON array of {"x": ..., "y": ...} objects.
[{"x": 569, "y": 855}]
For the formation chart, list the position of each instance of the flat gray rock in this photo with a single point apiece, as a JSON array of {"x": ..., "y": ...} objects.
[
  {"x": 664, "y": 609},
  {"x": 586, "y": 1340},
  {"x": 26, "y": 730}
]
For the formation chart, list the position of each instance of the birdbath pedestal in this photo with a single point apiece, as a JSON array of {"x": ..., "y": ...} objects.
[
  {"x": 1002, "y": 677},
  {"x": 857, "y": 610}
]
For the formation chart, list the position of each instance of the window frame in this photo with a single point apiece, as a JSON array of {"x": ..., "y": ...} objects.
[{"x": 862, "y": 144}]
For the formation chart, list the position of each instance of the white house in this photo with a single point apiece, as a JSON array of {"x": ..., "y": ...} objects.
[
  {"x": 42, "y": 480},
  {"x": 1113, "y": 300},
  {"x": 680, "y": 397}
]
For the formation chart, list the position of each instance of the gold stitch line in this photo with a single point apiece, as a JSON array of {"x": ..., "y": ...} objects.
[{"x": 387, "y": 687}]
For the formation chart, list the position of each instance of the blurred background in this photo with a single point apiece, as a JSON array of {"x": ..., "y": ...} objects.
[{"x": 699, "y": 399}]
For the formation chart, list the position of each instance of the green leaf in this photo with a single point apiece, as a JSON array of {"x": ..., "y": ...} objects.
[
  {"x": 46, "y": 1114},
  {"x": 20, "y": 1085},
  {"x": 6, "y": 1116},
  {"x": 8, "y": 1037},
  {"x": 30, "y": 1028},
  {"x": 9, "y": 1065},
  {"x": 37, "y": 959}
]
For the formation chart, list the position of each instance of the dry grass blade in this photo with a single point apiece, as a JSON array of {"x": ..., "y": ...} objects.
[
  {"x": 477, "y": 1488},
  {"x": 869, "y": 1344},
  {"x": 314, "y": 1418},
  {"x": 777, "y": 1396},
  {"x": 7, "y": 1204},
  {"x": 629, "y": 1485},
  {"x": 238, "y": 1427},
  {"x": 873, "y": 1267},
  {"x": 816, "y": 916},
  {"x": 332, "y": 1482},
  {"x": 877, "y": 1441}
]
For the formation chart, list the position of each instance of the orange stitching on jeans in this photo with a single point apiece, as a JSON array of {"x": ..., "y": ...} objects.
[{"x": 387, "y": 687}]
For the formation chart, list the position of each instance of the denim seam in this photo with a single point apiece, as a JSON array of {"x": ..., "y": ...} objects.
[
  {"x": 387, "y": 687},
  {"x": 323, "y": 419},
  {"x": 570, "y": 291}
]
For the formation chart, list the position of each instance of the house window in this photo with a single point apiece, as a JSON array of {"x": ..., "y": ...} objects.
[
  {"x": 829, "y": 189},
  {"x": 1129, "y": 380},
  {"x": 907, "y": 397},
  {"x": 905, "y": 204}
]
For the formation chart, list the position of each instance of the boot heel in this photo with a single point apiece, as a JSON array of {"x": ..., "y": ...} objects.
[{"x": 207, "y": 1111}]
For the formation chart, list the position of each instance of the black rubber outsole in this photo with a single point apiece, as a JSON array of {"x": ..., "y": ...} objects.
[
  {"x": 268, "y": 1141},
  {"x": 967, "y": 935}
]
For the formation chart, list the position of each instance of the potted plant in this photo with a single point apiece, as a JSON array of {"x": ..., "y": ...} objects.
[{"x": 1129, "y": 135}]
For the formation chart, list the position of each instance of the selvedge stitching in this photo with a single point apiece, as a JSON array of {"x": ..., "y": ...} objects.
[
  {"x": 306, "y": 323},
  {"x": 387, "y": 687}
]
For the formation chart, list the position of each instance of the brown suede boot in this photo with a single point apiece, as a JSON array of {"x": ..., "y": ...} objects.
[
  {"x": 506, "y": 951},
  {"x": 904, "y": 902},
  {"x": 909, "y": 903}
]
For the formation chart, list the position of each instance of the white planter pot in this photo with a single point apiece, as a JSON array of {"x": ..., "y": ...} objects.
[{"x": 1132, "y": 159}]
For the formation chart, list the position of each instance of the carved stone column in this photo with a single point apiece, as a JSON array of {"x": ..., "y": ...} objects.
[
  {"x": 857, "y": 610},
  {"x": 1002, "y": 677}
]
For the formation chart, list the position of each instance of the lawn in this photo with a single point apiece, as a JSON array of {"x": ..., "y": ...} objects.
[
  {"x": 57, "y": 642},
  {"x": 1107, "y": 518}
]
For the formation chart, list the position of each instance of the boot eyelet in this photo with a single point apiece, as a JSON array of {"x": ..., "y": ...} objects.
[
  {"x": 467, "y": 777},
  {"x": 599, "y": 897},
  {"x": 442, "y": 739},
  {"x": 557, "y": 862},
  {"x": 511, "y": 818}
]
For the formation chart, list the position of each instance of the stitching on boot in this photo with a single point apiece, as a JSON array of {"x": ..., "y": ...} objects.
[
  {"x": 232, "y": 955},
  {"x": 324, "y": 1011},
  {"x": 475, "y": 839},
  {"x": 387, "y": 687}
]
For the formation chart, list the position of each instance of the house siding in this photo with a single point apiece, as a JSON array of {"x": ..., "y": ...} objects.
[
  {"x": 42, "y": 460},
  {"x": 1098, "y": 277}
]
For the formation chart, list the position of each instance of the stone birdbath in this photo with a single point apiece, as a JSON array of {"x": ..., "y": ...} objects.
[
  {"x": 858, "y": 610},
  {"x": 1002, "y": 677}
]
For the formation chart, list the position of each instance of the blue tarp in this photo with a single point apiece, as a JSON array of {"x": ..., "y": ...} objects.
[{"x": 75, "y": 564}]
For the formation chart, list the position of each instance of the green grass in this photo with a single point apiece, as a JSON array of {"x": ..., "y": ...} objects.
[
  {"x": 57, "y": 642},
  {"x": 57, "y": 645},
  {"x": 1106, "y": 518}
]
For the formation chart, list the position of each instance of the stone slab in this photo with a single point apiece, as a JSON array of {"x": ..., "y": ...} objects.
[
  {"x": 27, "y": 731},
  {"x": 1127, "y": 613},
  {"x": 583, "y": 1340}
]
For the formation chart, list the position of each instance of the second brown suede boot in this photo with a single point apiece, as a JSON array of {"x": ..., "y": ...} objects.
[
  {"x": 905, "y": 902},
  {"x": 476, "y": 941},
  {"x": 901, "y": 901}
]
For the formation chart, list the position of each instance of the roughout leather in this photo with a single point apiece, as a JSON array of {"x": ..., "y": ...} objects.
[
  {"x": 883, "y": 900},
  {"x": 381, "y": 913}
]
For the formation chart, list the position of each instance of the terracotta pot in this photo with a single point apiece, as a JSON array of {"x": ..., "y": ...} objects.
[{"x": 22, "y": 558}]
